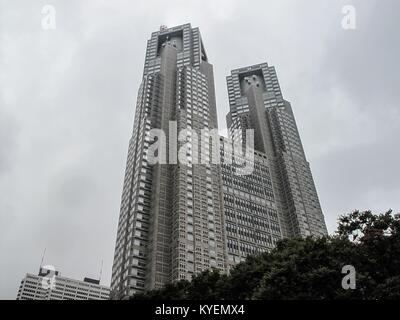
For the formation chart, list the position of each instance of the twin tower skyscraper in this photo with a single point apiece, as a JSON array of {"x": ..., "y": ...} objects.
[{"x": 179, "y": 218}]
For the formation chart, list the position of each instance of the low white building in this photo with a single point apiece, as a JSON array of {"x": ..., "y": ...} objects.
[{"x": 50, "y": 285}]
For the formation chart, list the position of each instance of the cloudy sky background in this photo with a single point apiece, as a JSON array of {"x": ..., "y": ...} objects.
[{"x": 67, "y": 100}]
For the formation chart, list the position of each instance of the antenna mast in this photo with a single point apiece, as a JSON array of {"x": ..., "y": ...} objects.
[
  {"x": 41, "y": 262},
  {"x": 101, "y": 270}
]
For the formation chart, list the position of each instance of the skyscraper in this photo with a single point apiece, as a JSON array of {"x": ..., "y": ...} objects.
[
  {"x": 179, "y": 217},
  {"x": 170, "y": 223},
  {"x": 256, "y": 102}
]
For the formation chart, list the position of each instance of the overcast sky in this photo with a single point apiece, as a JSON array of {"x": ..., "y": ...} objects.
[{"x": 67, "y": 100}]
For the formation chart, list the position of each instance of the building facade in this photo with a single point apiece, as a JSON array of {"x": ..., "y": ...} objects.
[
  {"x": 56, "y": 287},
  {"x": 256, "y": 102},
  {"x": 170, "y": 223},
  {"x": 181, "y": 215},
  {"x": 252, "y": 217}
]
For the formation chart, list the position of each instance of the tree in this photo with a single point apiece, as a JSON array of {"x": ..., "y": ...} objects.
[{"x": 309, "y": 268}]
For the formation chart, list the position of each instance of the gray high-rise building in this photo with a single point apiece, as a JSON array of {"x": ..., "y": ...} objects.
[
  {"x": 256, "y": 102},
  {"x": 178, "y": 218},
  {"x": 171, "y": 219}
]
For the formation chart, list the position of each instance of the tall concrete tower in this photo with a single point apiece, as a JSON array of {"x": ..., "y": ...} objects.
[
  {"x": 170, "y": 223},
  {"x": 256, "y": 102}
]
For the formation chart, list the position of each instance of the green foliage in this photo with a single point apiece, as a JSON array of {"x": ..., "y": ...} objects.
[
  {"x": 309, "y": 268},
  {"x": 206, "y": 285}
]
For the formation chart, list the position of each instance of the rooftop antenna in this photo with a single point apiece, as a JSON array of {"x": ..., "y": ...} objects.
[
  {"x": 41, "y": 262},
  {"x": 101, "y": 270}
]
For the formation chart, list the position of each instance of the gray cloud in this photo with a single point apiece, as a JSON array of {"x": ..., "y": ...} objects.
[{"x": 67, "y": 100}]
